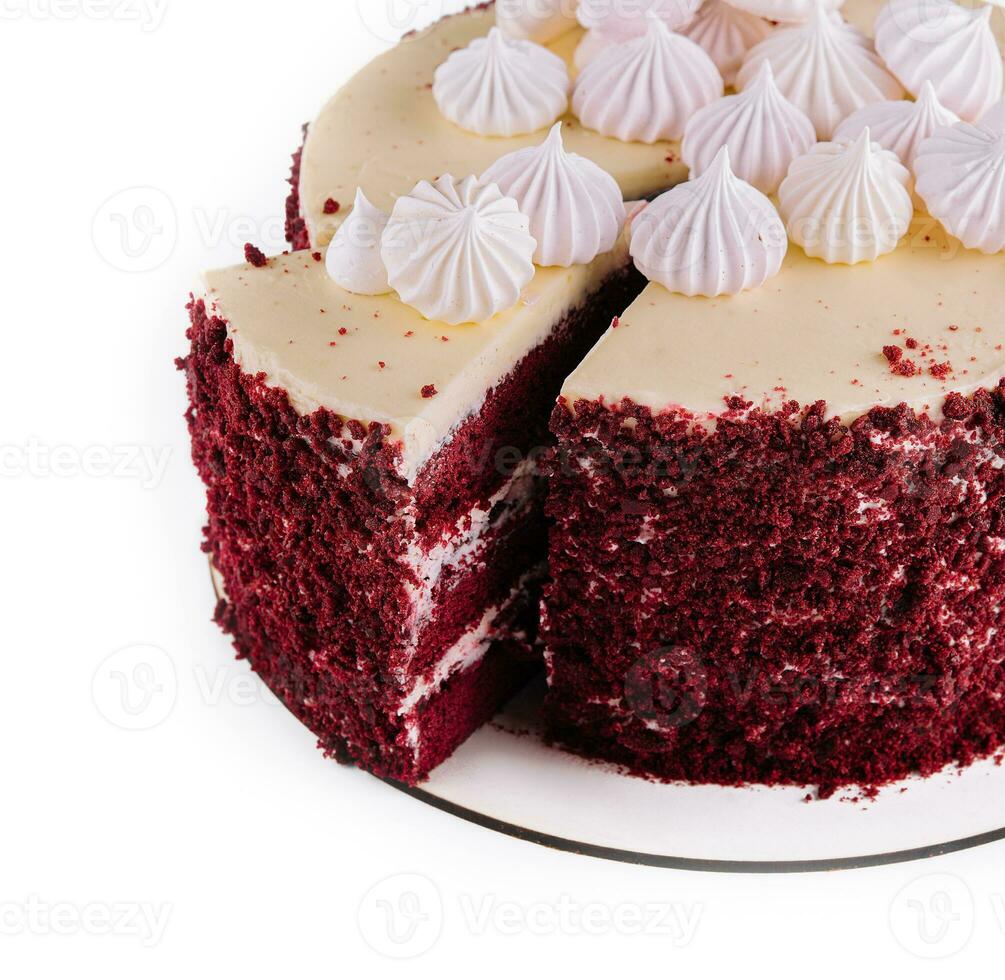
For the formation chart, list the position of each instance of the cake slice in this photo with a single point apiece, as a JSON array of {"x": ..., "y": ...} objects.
[
  {"x": 779, "y": 545},
  {"x": 375, "y": 513}
]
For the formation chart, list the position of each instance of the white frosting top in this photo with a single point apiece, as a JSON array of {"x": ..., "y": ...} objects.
[
  {"x": 726, "y": 33},
  {"x": 646, "y": 89},
  {"x": 826, "y": 67},
  {"x": 994, "y": 118},
  {"x": 961, "y": 179},
  {"x": 713, "y": 236},
  {"x": 576, "y": 210},
  {"x": 899, "y": 126},
  {"x": 539, "y": 21},
  {"x": 847, "y": 202},
  {"x": 497, "y": 86},
  {"x": 622, "y": 20},
  {"x": 353, "y": 259},
  {"x": 941, "y": 42},
  {"x": 763, "y": 130},
  {"x": 787, "y": 11},
  {"x": 459, "y": 252}
]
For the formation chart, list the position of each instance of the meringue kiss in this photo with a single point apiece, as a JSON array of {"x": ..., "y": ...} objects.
[
  {"x": 713, "y": 236},
  {"x": 847, "y": 202},
  {"x": 762, "y": 129},
  {"x": 575, "y": 208},
  {"x": 647, "y": 89},
  {"x": 961, "y": 179},
  {"x": 899, "y": 126},
  {"x": 500, "y": 87},
  {"x": 825, "y": 67},
  {"x": 726, "y": 33},
  {"x": 948, "y": 45},
  {"x": 353, "y": 259},
  {"x": 458, "y": 251}
]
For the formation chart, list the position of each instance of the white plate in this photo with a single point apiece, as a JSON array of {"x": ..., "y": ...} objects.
[{"x": 514, "y": 784}]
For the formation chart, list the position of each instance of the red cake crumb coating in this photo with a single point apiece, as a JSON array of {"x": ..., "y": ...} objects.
[
  {"x": 310, "y": 524},
  {"x": 255, "y": 256},
  {"x": 296, "y": 227},
  {"x": 782, "y": 600}
]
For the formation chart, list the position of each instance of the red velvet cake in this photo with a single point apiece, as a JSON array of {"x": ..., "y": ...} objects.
[{"x": 777, "y": 550}]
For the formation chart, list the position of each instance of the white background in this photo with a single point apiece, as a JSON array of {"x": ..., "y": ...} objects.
[{"x": 162, "y": 816}]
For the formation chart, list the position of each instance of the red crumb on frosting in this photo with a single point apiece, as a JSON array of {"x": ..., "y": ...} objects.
[
  {"x": 332, "y": 206},
  {"x": 381, "y": 365},
  {"x": 429, "y": 391},
  {"x": 615, "y": 323},
  {"x": 911, "y": 343},
  {"x": 342, "y": 331},
  {"x": 409, "y": 333},
  {"x": 941, "y": 371},
  {"x": 255, "y": 256},
  {"x": 316, "y": 256},
  {"x": 892, "y": 353}
]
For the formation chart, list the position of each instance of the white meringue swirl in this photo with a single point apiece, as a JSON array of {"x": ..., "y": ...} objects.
[
  {"x": 539, "y": 21},
  {"x": 575, "y": 208},
  {"x": 500, "y": 87},
  {"x": 726, "y": 33},
  {"x": 847, "y": 202},
  {"x": 961, "y": 179},
  {"x": 353, "y": 258},
  {"x": 952, "y": 47},
  {"x": 787, "y": 11},
  {"x": 712, "y": 236},
  {"x": 646, "y": 90},
  {"x": 458, "y": 251},
  {"x": 623, "y": 20},
  {"x": 825, "y": 67},
  {"x": 899, "y": 126},
  {"x": 994, "y": 118},
  {"x": 762, "y": 129}
]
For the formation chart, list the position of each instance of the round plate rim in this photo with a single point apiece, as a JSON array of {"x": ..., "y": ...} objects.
[{"x": 709, "y": 865}]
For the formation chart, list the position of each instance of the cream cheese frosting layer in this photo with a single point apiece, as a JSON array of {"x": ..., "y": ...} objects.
[
  {"x": 384, "y": 132},
  {"x": 286, "y": 320},
  {"x": 814, "y": 332}
]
